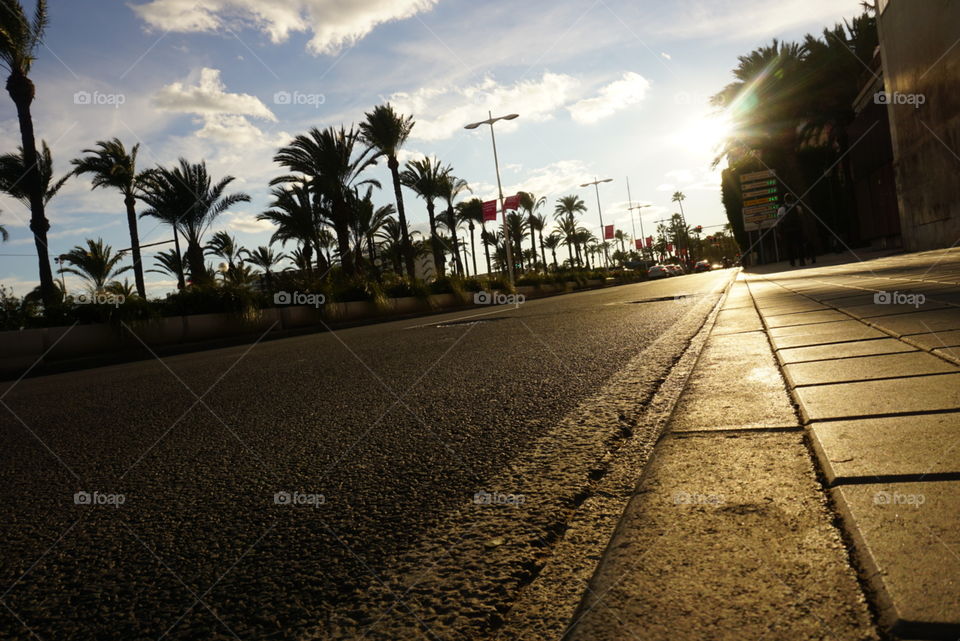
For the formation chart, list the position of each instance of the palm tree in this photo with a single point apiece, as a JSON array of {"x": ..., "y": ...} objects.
[
  {"x": 565, "y": 213},
  {"x": 425, "y": 178},
  {"x": 170, "y": 263},
  {"x": 530, "y": 204},
  {"x": 471, "y": 212},
  {"x": 19, "y": 38},
  {"x": 124, "y": 289},
  {"x": 367, "y": 221},
  {"x": 391, "y": 243},
  {"x": 518, "y": 226},
  {"x": 387, "y": 131},
  {"x": 186, "y": 198},
  {"x": 226, "y": 247},
  {"x": 299, "y": 217},
  {"x": 13, "y": 169},
  {"x": 329, "y": 161},
  {"x": 111, "y": 166},
  {"x": 266, "y": 259},
  {"x": 450, "y": 188},
  {"x": 96, "y": 264},
  {"x": 552, "y": 242}
]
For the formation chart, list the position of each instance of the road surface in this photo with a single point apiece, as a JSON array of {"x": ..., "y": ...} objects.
[{"x": 265, "y": 491}]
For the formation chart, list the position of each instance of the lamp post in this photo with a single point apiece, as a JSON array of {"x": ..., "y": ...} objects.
[
  {"x": 496, "y": 162},
  {"x": 595, "y": 183},
  {"x": 631, "y": 208}
]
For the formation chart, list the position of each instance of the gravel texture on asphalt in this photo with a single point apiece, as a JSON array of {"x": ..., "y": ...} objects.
[{"x": 266, "y": 489}]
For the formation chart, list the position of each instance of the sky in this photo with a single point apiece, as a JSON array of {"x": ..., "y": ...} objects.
[{"x": 605, "y": 89}]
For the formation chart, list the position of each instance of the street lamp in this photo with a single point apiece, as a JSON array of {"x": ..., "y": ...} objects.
[
  {"x": 631, "y": 208},
  {"x": 606, "y": 256},
  {"x": 496, "y": 162}
]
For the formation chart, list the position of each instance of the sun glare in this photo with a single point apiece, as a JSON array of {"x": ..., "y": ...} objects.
[{"x": 704, "y": 133}]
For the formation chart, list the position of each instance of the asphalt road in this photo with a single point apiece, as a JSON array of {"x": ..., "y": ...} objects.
[{"x": 377, "y": 432}]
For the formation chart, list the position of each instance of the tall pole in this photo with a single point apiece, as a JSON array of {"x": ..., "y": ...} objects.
[
  {"x": 603, "y": 230},
  {"x": 506, "y": 228}
]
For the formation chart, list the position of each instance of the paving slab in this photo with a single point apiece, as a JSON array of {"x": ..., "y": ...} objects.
[
  {"x": 836, "y": 332},
  {"x": 936, "y": 340},
  {"x": 843, "y": 350},
  {"x": 919, "y": 322},
  {"x": 899, "y": 446},
  {"x": 863, "y": 368},
  {"x": 736, "y": 384},
  {"x": 829, "y": 326},
  {"x": 726, "y": 538},
  {"x": 805, "y": 318},
  {"x": 734, "y": 321},
  {"x": 908, "y": 542},
  {"x": 872, "y": 310},
  {"x": 935, "y": 393}
]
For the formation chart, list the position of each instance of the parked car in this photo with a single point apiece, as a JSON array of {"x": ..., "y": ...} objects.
[
  {"x": 658, "y": 271},
  {"x": 702, "y": 266},
  {"x": 676, "y": 270}
]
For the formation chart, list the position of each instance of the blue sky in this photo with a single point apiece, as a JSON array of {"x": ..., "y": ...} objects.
[{"x": 606, "y": 88}]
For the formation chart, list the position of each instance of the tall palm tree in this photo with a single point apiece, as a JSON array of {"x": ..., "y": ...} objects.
[
  {"x": 19, "y": 38},
  {"x": 529, "y": 204},
  {"x": 387, "y": 131},
  {"x": 450, "y": 188},
  {"x": 567, "y": 227},
  {"x": 391, "y": 243},
  {"x": 518, "y": 226},
  {"x": 332, "y": 161},
  {"x": 552, "y": 242},
  {"x": 96, "y": 264},
  {"x": 565, "y": 213},
  {"x": 425, "y": 178},
  {"x": 471, "y": 212},
  {"x": 225, "y": 246},
  {"x": 186, "y": 198},
  {"x": 111, "y": 166}
]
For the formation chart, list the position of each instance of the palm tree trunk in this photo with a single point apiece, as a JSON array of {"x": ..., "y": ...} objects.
[
  {"x": 434, "y": 241},
  {"x": 533, "y": 248},
  {"x": 198, "y": 267},
  {"x": 473, "y": 248},
  {"x": 22, "y": 91},
  {"x": 543, "y": 252},
  {"x": 181, "y": 283},
  {"x": 486, "y": 246},
  {"x": 343, "y": 245},
  {"x": 130, "y": 203},
  {"x": 406, "y": 249}
]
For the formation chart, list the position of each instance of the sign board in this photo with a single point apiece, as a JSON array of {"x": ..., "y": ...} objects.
[{"x": 760, "y": 193}]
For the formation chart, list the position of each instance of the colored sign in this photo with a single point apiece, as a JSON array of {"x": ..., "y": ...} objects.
[
  {"x": 511, "y": 202},
  {"x": 758, "y": 175},
  {"x": 489, "y": 210},
  {"x": 608, "y": 232}
]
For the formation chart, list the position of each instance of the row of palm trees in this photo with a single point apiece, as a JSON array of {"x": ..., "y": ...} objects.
[{"x": 323, "y": 199}]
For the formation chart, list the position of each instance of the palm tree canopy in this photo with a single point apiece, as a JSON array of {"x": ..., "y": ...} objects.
[
  {"x": 96, "y": 263},
  {"x": 19, "y": 37},
  {"x": 13, "y": 170},
  {"x": 385, "y": 130},
  {"x": 425, "y": 177},
  {"x": 225, "y": 246},
  {"x": 296, "y": 212},
  {"x": 264, "y": 257},
  {"x": 110, "y": 165},
  {"x": 569, "y": 206},
  {"x": 185, "y": 196}
]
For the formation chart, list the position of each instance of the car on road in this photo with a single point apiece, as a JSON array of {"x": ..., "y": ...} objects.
[
  {"x": 676, "y": 270},
  {"x": 702, "y": 266},
  {"x": 658, "y": 271}
]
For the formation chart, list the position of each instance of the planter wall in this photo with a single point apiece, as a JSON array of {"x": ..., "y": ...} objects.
[{"x": 21, "y": 349}]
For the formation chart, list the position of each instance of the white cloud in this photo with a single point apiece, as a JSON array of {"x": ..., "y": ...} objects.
[
  {"x": 247, "y": 223},
  {"x": 209, "y": 98},
  {"x": 333, "y": 24},
  {"x": 441, "y": 111},
  {"x": 618, "y": 95}
]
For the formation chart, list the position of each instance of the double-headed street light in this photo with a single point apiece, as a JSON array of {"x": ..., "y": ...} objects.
[
  {"x": 496, "y": 163},
  {"x": 606, "y": 255}
]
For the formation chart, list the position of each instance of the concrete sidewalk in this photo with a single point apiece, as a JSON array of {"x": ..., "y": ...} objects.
[{"x": 825, "y": 392}]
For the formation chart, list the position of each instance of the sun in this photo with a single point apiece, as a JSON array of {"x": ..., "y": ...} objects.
[{"x": 703, "y": 134}]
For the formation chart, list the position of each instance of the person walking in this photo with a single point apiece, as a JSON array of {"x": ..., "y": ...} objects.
[{"x": 790, "y": 226}]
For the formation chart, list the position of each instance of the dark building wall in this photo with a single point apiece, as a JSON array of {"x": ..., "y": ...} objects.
[{"x": 921, "y": 66}]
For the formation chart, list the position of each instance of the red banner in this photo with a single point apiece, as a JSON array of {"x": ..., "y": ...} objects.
[
  {"x": 649, "y": 241},
  {"x": 608, "y": 232},
  {"x": 489, "y": 211},
  {"x": 511, "y": 202},
  {"x": 638, "y": 243},
  {"x": 669, "y": 248}
]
